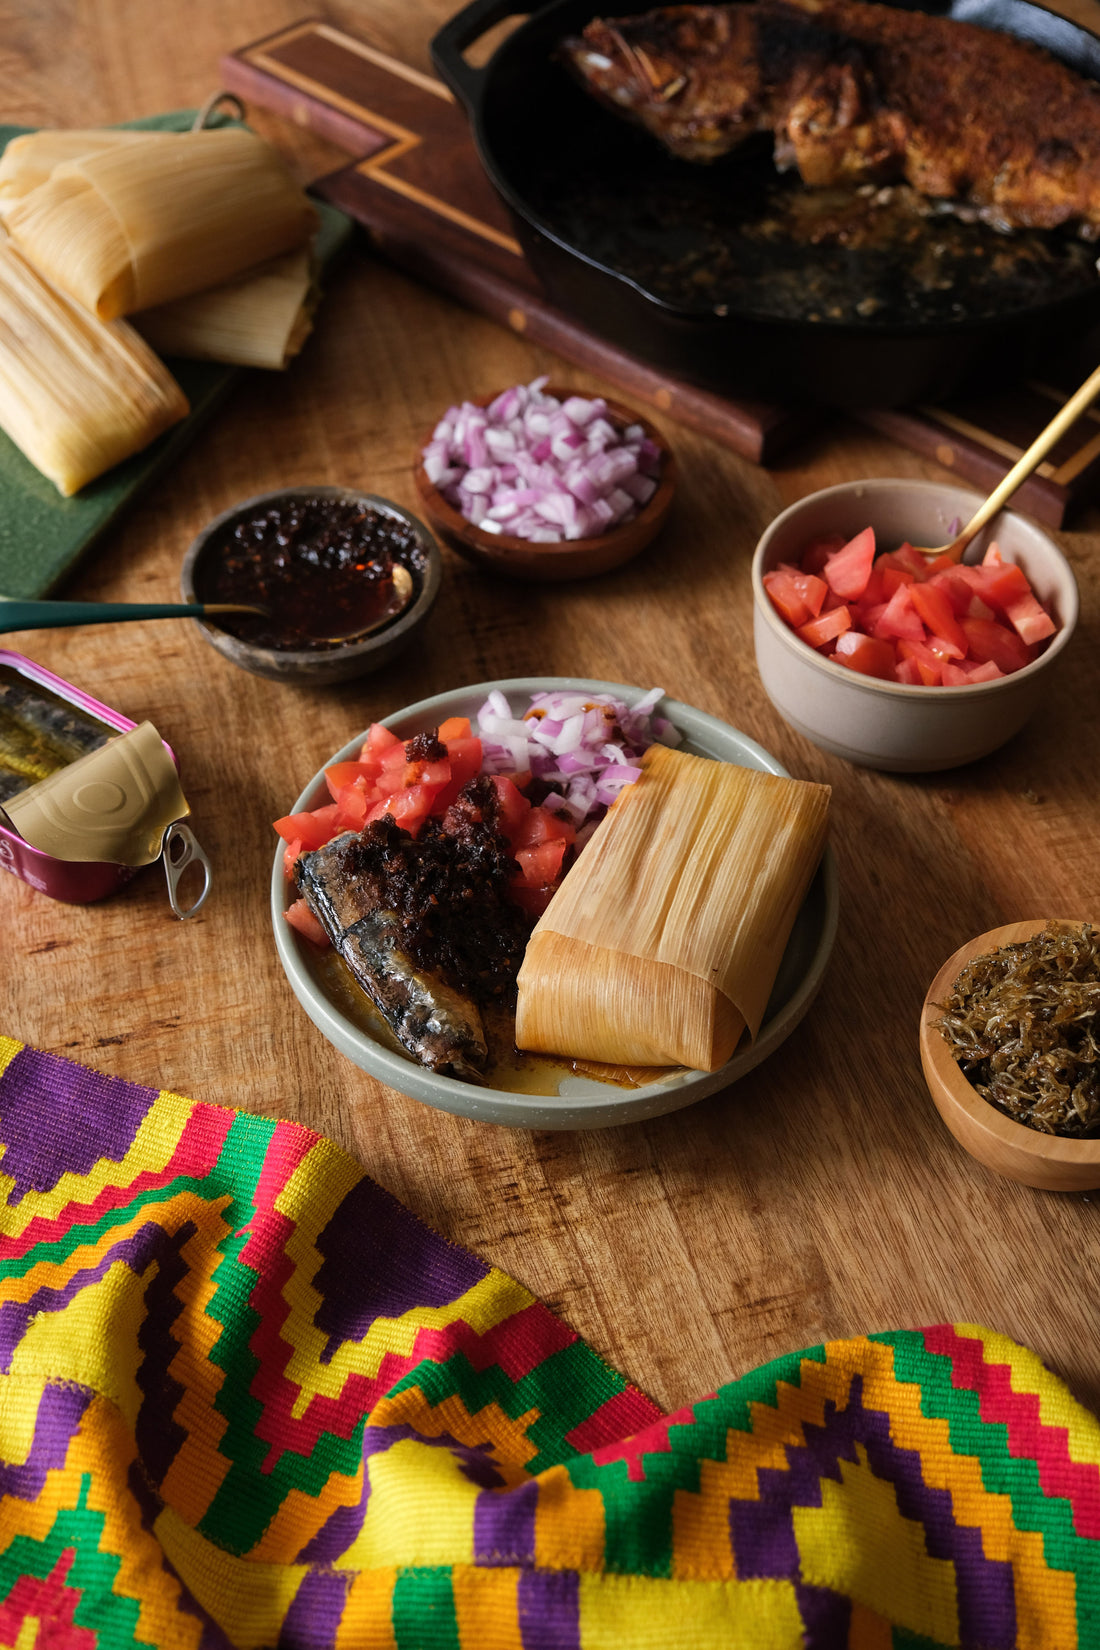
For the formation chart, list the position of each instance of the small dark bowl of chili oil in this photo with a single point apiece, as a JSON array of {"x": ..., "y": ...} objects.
[{"x": 321, "y": 562}]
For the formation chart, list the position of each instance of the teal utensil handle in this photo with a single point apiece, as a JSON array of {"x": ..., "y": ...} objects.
[{"x": 15, "y": 615}]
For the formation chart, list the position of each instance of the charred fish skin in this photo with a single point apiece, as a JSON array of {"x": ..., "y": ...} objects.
[
  {"x": 860, "y": 92},
  {"x": 440, "y": 1027}
]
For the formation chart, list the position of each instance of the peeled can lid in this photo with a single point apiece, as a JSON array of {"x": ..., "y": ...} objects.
[{"x": 112, "y": 805}]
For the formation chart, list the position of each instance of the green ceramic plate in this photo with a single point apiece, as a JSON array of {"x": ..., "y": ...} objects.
[{"x": 43, "y": 535}]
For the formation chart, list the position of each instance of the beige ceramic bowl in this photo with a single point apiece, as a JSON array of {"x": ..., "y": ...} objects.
[
  {"x": 887, "y": 724},
  {"x": 570, "y": 558},
  {"x": 1050, "y": 1162}
]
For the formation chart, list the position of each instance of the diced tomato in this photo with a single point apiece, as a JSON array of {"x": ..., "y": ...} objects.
[
  {"x": 465, "y": 758},
  {"x": 848, "y": 570},
  {"x": 351, "y": 807},
  {"x": 865, "y": 654},
  {"x": 310, "y": 830},
  {"x": 892, "y": 577},
  {"x": 932, "y": 603},
  {"x": 434, "y": 774},
  {"x": 812, "y": 589},
  {"x": 875, "y": 593},
  {"x": 513, "y": 805},
  {"x": 290, "y": 854},
  {"x": 943, "y": 621},
  {"x": 377, "y": 742},
  {"x": 820, "y": 632},
  {"x": 786, "y": 597},
  {"x": 541, "y": 864},
  {"x": 343, "y": 774},
  {"x": 908, "y": 560},
  {"x": 943, "y": 650},
  {"x": 532, "y": 900},
  {"x": 301, "y": 917},
  {"x": 541, "y": 825},
  {"x": 1029, "y": 619},
  {"x": 999, "y": 583},
  {"x": 929, "y": 667},
  {"x": 455, "y": 727},
  {"x": 900, "y": 618},
  {"x": 987, "y": 639},
  {"x": 955, "y": 587},
  {"x": 818, "y": 551}
]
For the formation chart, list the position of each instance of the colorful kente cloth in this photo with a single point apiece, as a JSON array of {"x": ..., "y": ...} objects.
[{"x": 248, "y": 1399}]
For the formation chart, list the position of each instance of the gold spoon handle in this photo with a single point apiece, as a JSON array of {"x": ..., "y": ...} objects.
[{"x": 1028, "y": 460}]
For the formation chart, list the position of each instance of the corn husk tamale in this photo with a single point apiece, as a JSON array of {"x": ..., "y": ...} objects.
[
  {"x": 144, "y": 223},
  {"x": 259, "y": 319},
  {"x": 77, "y": 395},
  {"x": 663, "y": 942},
  {"x": 29, "y": 159}
]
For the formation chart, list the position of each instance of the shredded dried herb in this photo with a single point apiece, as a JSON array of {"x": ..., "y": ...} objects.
[{"x": 1022, "y": 1024}]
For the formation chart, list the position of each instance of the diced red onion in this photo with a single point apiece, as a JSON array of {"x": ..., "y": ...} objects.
[
  {"x": 566, "y": 469},
  {"x": 580, "y": 748}
]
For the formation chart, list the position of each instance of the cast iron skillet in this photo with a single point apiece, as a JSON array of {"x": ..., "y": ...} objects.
[{"x": 608, "y": 223}]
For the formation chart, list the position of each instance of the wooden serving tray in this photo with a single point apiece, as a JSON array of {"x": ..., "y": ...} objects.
[{"x": 418, "y": 187}]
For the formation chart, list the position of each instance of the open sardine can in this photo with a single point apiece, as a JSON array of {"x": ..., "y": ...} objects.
[{"x": 84, "y": 830}]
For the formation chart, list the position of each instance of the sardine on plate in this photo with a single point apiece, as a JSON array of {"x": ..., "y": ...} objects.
[
  {"x": 861, "y": 93},
  {"x": 425, "y": 925}
]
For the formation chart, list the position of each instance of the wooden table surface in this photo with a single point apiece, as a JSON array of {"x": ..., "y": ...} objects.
[{"x": 819, "y": 1197}]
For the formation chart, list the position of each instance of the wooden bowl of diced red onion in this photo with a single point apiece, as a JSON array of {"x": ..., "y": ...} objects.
[{"x": 537, "y": 482}]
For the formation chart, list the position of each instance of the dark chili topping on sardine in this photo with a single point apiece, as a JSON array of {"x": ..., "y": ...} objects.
[{"x": 448, "y": 889}]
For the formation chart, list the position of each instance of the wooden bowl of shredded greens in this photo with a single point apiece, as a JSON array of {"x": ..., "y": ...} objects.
[{"x": 1010, "y": 1045}]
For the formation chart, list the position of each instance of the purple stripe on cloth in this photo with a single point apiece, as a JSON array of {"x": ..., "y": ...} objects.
[
  {"x": 159, "y": 1436},
  {"x": 504, "y": 1525},
  {"x": 312, "y": 1621},
  {"x": 762, "y": 1536},
  {"x": 60, "y": 1411},
  {"x": 418, "y": 1267},
  {"x": 826, "y": 1617},
  {"x": 549, "y": 1610},
  {"x": 150, "y": 1506},
  {"x": 57, "y": 1118},
  {"x": 148, "y": 1243},
  {"x": 984, "y": 1587}
]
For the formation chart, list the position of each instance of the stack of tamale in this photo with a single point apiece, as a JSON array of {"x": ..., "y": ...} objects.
[
  {"x": 201, "y": 237},
  {"x": 663, "y": 943}
]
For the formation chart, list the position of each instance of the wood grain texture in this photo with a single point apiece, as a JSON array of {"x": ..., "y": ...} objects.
[{"x": 822, "y": 1196}]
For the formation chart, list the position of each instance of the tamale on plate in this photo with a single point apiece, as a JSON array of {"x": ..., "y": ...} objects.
[
  {"x": 77, "y": 395},
  {"x": 146, "y": 222},
  {"x": 663, "y": 942}
]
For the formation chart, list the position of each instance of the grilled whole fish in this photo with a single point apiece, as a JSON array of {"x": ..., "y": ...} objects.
[
  {"x": 426, "y": 925},
  {"x": 861, "y": 93}
]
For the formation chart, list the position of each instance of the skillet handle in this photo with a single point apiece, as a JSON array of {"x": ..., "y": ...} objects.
[{"x": 453, "y": 38}]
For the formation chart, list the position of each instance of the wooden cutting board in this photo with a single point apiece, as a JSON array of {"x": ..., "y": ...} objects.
[{"x": 418, "y": 187}]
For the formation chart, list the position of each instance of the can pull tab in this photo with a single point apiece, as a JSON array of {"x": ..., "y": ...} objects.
[{"x": 179, "y": 849}]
